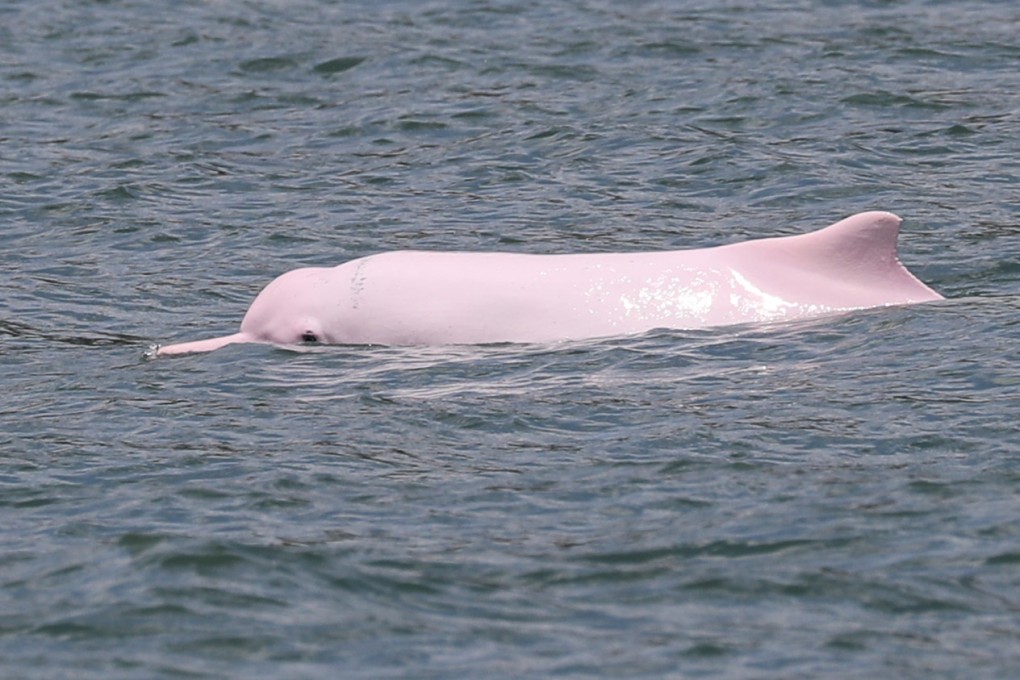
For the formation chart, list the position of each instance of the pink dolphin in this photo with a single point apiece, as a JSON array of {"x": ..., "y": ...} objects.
[{"x": 429, "y": 298}]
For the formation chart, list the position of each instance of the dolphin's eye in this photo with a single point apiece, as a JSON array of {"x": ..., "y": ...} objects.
[{"x": 309, "y": 336}]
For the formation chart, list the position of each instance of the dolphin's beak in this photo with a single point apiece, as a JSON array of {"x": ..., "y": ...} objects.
[{"x": 203, "y": 345}]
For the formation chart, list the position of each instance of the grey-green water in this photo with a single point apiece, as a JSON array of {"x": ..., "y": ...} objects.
[{"x": 831, "y": 499}]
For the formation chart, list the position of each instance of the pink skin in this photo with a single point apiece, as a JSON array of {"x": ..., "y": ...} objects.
[{"x": 433, "y": 298}]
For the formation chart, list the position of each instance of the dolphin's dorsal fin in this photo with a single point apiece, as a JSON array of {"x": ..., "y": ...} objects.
[
  {"x": 860, "y": 244},
  {"x": 853, "y": 262}
]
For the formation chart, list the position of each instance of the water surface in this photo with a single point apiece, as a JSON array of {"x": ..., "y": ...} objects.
[{"x": 836, "y": 498}]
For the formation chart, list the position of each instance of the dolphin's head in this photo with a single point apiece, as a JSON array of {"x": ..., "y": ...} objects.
[{"x": 289, "y": 311}]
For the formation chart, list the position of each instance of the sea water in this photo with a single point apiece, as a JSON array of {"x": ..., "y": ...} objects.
[{"x": 835, "y": 498}]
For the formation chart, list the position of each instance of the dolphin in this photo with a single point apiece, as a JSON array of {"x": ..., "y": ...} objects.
[{"x": 435, "y": 298}]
